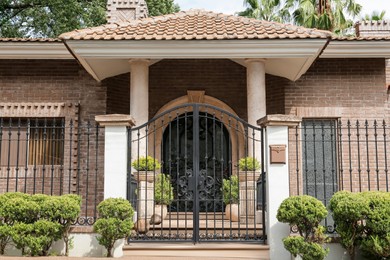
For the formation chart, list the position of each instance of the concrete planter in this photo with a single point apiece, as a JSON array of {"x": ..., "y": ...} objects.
[
  {"x": 148, "y": 176},
  {"x": 245, "y": 176},
  {"x": 161, "y": 210},
  {"x": 231, "y": 212}
]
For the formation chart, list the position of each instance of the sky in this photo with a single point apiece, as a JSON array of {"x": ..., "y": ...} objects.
[{"x": 232, "y": 6}]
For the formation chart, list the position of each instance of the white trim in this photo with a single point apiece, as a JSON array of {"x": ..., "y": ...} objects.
[
  {"x": 230, "y": 49},
  {"x": 357, "y": 49},
  {"x": 34, "y": 50}
]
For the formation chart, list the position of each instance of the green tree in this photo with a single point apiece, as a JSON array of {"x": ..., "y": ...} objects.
[
  {"x": 329, "y": 15},
  {"x": 375, "y": 16},
  {"x": 50, "y": 18},
  {"x": 268, "y": 10},
  {"x": 161, "y": 7}
]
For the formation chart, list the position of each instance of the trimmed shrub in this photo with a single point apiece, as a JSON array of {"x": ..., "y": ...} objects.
[
  {"x": 230, "y": 190},
  {"x": 146, "y": 164},
  {"x": 249, "y": 164},
  {"x": 63, "y": 210},
  {"x": 35, "y": 239},
  {"x": 115, "y": 222},
  {"x": 376, "y": 241},
  {"x": 349, "y": 212},
  {"x": 5, "y": 237},
  {"x": 306, "y": 213},
  {"x": 163, "y": 190}
]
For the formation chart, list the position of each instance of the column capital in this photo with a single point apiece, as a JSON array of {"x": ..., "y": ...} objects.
[
  {"x": 279, "y": 120},
  {"x": 142, "y": 61},
  {"x": 115, "y": 120},
  {"x": 251, "y": 60}
]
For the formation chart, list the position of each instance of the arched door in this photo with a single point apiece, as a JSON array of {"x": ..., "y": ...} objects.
[{"x": 214, "y": 160}]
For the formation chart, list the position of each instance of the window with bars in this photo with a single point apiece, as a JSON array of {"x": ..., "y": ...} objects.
[
  {"x": 319, "y": 158},
  {"x": 25, "y": 141}
]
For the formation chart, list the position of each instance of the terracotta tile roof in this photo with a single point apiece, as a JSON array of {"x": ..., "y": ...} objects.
[
  {"x": 365, "y": 38},
  {"x": 29, "y": 40},
  {"x": 195, "y": 25}
]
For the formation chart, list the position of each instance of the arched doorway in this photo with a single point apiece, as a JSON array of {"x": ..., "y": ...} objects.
[{"x": 214, "y": 160}]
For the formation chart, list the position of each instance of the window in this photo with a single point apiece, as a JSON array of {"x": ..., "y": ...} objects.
[
  {"x": 31, "y": 141},
  {"x": 319, "y": 162}
]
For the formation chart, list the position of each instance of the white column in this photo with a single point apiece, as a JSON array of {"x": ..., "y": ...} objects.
[
  {"x": 139, "y": 103},
  {"x": 115, "y": 154},
  {"x": 139, "y": 90},
  {"x": 256, "y": 92},
  {"x": 277, "y": 182}
]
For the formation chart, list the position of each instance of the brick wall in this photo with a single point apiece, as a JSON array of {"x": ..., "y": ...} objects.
[
  {"x": 118, "y": 94},
  {"x": 344, "y": 89},
  {"x": 59, "y": 81},
  {"x": 222, "y": 79}
]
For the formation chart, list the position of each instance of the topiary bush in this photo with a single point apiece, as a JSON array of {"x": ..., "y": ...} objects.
[
  {"x": 349, "y": 211},
  {"x": 249, "y": 164},
  {"x": 230, "y": 190},
  {"x": 115, "y": 222},
  {"x": 35, "y": 239},
  {"x": 163, "y": 190},
  {"x": 64, "y": 210},
  {"x": 376, "y": 240},
  {"x": 146, "y": 164},
  {"x": 306, "y": 213}
]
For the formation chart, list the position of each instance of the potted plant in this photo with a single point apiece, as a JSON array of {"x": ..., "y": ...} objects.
[
  {"x": 249, "y": 169},
  {"x": 146, "y": 168},
  {"x": 230, "y": 192},
  {"x": 163, "y": 194}
]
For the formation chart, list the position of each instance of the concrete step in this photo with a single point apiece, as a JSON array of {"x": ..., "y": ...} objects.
[{"x": 223, "y": 251}]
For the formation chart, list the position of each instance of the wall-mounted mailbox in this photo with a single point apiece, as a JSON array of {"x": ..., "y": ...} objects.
[{"x": 278, "y": 154}]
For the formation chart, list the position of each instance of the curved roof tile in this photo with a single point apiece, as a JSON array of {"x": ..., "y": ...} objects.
[{"x": 195, "y": 25}]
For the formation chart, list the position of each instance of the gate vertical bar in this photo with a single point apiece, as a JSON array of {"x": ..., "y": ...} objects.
[{"x": 195, "y": 148}]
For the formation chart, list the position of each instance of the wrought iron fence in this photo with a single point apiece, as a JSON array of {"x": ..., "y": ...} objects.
[
  {"x": 331, "y": 155},
  {"x": 199, "y": 148},
  {"x": 54, "y": 157}
]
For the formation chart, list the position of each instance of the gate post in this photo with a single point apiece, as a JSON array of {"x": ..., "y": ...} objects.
[
  {"x": 115, "y": 153},
  {"x": 277, "y": 180}
]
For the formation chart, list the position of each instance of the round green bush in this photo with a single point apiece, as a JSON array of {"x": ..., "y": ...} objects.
[
  {"x": 146, "y": 164},
  {"x": 230, "y": 190},
  {"x": 163, "y": 190},
  {"x": 115, "y": 222},
  {"x": 248, "y": 164}
]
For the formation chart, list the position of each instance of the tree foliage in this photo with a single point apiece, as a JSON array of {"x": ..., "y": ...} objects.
[
  {"x": 375, "y": 16},
  {"x": 329, "y": 15},
  {"x": 50, "y": 18},
  {"x": 161, "y": 7}
]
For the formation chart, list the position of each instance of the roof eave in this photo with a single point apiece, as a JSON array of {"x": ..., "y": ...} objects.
[
  {"x": 357, "y": 49},
  {"x": 34, "y": 50},
  {"x": 98, "y": 52}
]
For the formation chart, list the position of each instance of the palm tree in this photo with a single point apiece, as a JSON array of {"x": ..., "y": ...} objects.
[
  {"x": 268, "y": 10},
  {"x": 375, "y": 16},
  {"x": 323, "y": 14}
]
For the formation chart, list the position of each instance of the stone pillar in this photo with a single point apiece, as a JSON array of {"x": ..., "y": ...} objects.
[
  {"x": 139, "y": 102},
  {"x": 115, "y": 154},
  {"x": 256, "y": 95},
  {"x": 145, "y": 207},
  {"x": 256, "y": 101},
  {"x": 277, "y": 181},
  {"x": 248, "y": 196}
]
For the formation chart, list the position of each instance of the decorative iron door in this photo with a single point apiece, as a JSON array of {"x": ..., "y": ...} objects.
[{"x": 198, "y": 147}]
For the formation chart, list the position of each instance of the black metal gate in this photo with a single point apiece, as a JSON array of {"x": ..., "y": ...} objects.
[{"x": 189, "y": 158}]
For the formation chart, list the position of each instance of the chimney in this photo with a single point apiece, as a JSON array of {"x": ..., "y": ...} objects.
[
  {"x": 372, "y": 28},
  {"x": 126, "y": 10}
]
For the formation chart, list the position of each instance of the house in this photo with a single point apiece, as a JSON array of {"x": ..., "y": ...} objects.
[{"x": 204, "y": 90}]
